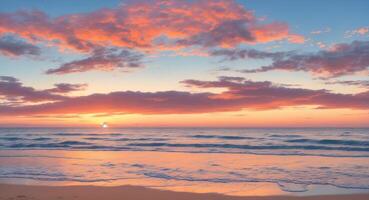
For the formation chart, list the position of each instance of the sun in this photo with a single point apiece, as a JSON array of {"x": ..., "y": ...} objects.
[{"x": 104, "y": 125}]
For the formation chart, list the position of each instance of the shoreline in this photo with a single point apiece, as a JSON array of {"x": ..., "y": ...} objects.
[
  {"x": 145, "y": 169},
  {"x": 35, "y": 192}
]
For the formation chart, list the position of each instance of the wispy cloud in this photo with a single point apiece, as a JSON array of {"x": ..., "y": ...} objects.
[
  {"x": 361, "y": 31},
  {"x": 318, "y": 32},
  {"x": 63, "y": 88},
  {"x": 341, "y": 59},
  {"x": 360, "y": 83},
  {"x": 235, "y": 54},
  {"x": 12, "y": 90},
  {"x": 10, "y": 46},
  {"x": 102, "y": 59}
]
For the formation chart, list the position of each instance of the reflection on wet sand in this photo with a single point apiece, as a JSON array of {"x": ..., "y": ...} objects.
[{"x": 233, "y": 174}]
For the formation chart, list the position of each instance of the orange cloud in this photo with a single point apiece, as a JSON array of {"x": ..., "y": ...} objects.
[
  {"x": 271, "y": 32},
  {"x": 141, "y": 26},
  {"x": 148, "y": 25},
  {"x": 294, "y": 38}
]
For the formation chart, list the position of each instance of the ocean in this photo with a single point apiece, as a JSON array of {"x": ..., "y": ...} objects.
[{"x": 237, "y": 161}]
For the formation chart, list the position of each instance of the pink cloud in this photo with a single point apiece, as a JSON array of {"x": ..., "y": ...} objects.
[
  {"x": 274, "y": 32},
  {"x": 294, "y": 38},
  {"x": 148, "y": 24},
  {"x": 240, "y": 94},
  {"x": 361, "y": 31},
  {"x": 142, "y": 26},
  {"x": 13, "y": 90}
]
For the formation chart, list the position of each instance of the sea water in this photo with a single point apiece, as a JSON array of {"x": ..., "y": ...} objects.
[{"x": 236, "y": 161}]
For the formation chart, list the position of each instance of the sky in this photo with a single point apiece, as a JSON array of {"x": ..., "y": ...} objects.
[{"x": 190, "y": 63}]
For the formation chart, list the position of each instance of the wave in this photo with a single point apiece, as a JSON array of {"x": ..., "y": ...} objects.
[
  {"x": 64, "y": 144},
  {"x": 285, "y": 136},
  {"x": 251, "y": 147},
  {"x": 19, "y": 138},
  {"x": 42, "y": 139},
  {"x": 87, "y": 134},
  {"x": 260, "y": 141},
  {"x": 331, "y": 142},
  {"x": 214, "y": 147},
  {"x": 10, "y": 138},
  {"x": 125, "y": 139},
  {"x": 74, "y": 143},
  {"x": 225, "y": 137},
  {"x": 58, "y": 178},
  {"x": 284, "y": 184}
]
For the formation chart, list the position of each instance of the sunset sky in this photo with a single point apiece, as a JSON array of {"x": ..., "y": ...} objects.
[{"x": 145, "y": 63}]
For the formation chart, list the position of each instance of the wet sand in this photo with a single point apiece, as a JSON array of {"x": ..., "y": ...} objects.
[{"x": 23, "y": 192}]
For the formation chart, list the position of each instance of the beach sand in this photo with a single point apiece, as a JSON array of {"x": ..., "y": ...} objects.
[{"x": 26, "y": 192}]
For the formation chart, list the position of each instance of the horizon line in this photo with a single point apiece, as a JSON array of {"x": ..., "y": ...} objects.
[{"x": 189, "y": 127}]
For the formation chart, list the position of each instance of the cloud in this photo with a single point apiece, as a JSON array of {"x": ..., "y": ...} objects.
[
  {"x": 318, "y": 32},
  {"x": 148, "y": 25},
  {"x": 63, "y": 88},
  {"x": 362, "y": 30},
  {"x": 145, "y": 26},
  {"x": 360, "y": 83},
  {"x": 341, "y": 59},
  {"x": 266, "y": 95},
  {"x": 294, "y": 38},
  {"x": 239, "y": 94},
  {"x": 228, "y": 33},
  {"x": 231, "y": 33},
  {"x": 10, "y": 46},
  {"x": 11, "y": 90},
  {"x": 359, "y": 31},
  {"x": 235, "y": 54},
  {"x": 101, "y": 59},
  {"x": 321, "y": 45}
]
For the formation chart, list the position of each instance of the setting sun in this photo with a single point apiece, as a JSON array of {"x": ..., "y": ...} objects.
[{"x": 104, "y": 125}]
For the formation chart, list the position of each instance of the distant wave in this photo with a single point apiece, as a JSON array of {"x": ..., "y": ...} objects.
[
  {"x": 125, "y": 139},
  {"x": 236, "y": 146},
  {"x": 19, "y": 138},
  {"x": 206, "y": 147},
  {"x": 285, "y": 136},
  {"x": 331, "y": 142},
  {"x": 64, "y": 144},
  {"x": 86, "y": 134},
  {"x": 74, "y": 143},
  {"x": 225, "y": 137},
  {"x": 305, "y": 141},
  {"x": 10, "y": 138},
  {"x": 41, "y": 139}
]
